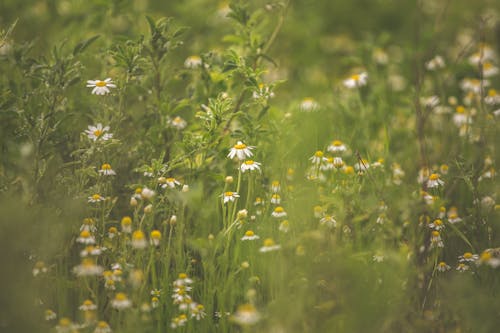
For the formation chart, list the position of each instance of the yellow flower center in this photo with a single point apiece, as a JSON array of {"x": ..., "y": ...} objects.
[
  {"x": 337, "y": 143},
  {"x": 97, "y": 133},
  {"x": 138, "y": 190},
  {"x": 279, "y": 209},
  {"x": 349, "y": 170},
  {"x": 319, "y": 153},
  {"x": 442, "y": 264},
  {"x": 240, "y": 146},
  {"x": 276, "y": 196},
  {"x": 155, "y": 234},
  {"x": 100, "y": 84},
  {"x": 96, "y": 197},
  {"x": 64, "y": 322},
  {"x": 485, "y": 256},
  {"x": 126, "y": 220},
  {"x": 355, "y": 77},
  {"x": 467, "y": 255},
  {"x": 102, "y": 324},
  {"x": 87, "y": 302},
  {"x": 435, "y": 233},
  {"x": 85, "y": 234},
  {"x": 492, "y": 92},
  {"x": 106, "y": 166},
  {"x": 170, "y": 180},
  {"x": 249, "y": 233},
  {"x": 249, "y": 162},
  {"x": 183, "y": 276},
  {"x": 438, "y": 222},
  {"x": 112, "y": 230},
  {"x": 228, "y": 194},
  {"x": 121, "y": 297},
  {"x": 138, "y": 235},
  {"x": 268, "y": 242},
  {"x": 460, "y": 109},
  {"x": 434, "y": 176}
]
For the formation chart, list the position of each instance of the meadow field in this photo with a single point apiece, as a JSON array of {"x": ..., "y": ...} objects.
[{"x": 249, "y": 166}]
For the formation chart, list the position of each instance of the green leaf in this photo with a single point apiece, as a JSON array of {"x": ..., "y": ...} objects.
[{"x": 80, "y": 47}]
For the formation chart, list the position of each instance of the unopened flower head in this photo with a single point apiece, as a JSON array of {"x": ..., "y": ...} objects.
[
  {"x": 147, "y": 193},
  {"x": 101, "y": 87},
  {"x": 356, "y": 80},
  {"x": 241, "y": 151},
  {"x": 126, "y": 224}
]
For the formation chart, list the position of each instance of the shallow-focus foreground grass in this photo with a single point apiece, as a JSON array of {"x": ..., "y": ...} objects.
[{"x": 249, "y": 166}]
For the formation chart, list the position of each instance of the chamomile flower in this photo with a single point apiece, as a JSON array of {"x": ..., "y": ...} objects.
[
  {"x": 461, "y": 117},
  {"x": 39, "y": 268},
  {"x": 284, "y": 226},
  {"x": 106, "y": 170},
  {"x": 308, "y": 105},
  {"x": 263, "y": 92},
  {"x": 179, "y": 321},
  {"x": 437, "y": 224},
  {"x": 462, "y": 267},
  {"x": 102, "y": 327},
  {"x": 85, "y": 237},
  {"x": 328, "y": 221},
  {"x": 121, "y": 302},
  {"x": 101, "y": 87},
  {"x": 453, "y": 216},
  {"x": 250, "y": 235},
  {"x": 436, "y": 240},
  {"x": 275, "y": 186},
  {"x": 489, "y": 69},
  {"x": 183, "y": 280},
  {"x": 246, "y": 315},
  {"x": 88, "y": 268},
  {"x": 484, "y": 54},
  {"x": 356, "y": 80},
  {"x": 279, "y": 212},
  {"x": 250, "y": 165},
  {"x": 269, "y": 245},
  {"x": 317, "y": 158},
  {"x": 168, "y": 182},
  {"x": 361, "y": 166},
  {"x": 96, "y": 198},
  {"x": 50, "y": 315},
  {"x": 147, "y": 193},
  {"x": 178, "y": 123},
  {"x": 435, "y": 63},
  {"x": 65, "y": 325},
  {"x": 275, "y": 199},
  {"x": 468, "y": 257},
  {"x": 240, "y": 150},
  {"x": 487, "y": 258},
  {"x": 434, "y": 181},
  {"x": 98, "y": 132},
  {"x": 139, "y": 240},
  {"x": 229, "y": 196},
  {"x": 91, "y": 250},
  {"x": 88, "y": 224},
  {"x": 87, "y": 305},
  {"x": 197, "y": 311},
  {"x": 443, "y": 267},
  {"x": 473, "y": 85},
  {"x": 126, "y": 224},
  {"x": 192, "y": 62},
  {"x": 493, "y": 97},
  {"x": 336, "y": 146},
  {"x": 155, "y": 237},
  {"x": 112, "y": 232}
]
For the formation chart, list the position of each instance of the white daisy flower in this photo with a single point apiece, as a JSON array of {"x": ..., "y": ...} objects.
[
  {"x": 178, "y": 123},
  {"x": 279, "y": 212},
  {"x": 443, "y": 267},
  {"x": 468, "y": 257},
  {"x": 356, "y": 80},
  {"x": 434, "y": 181},
  {"x": 106, "y": 170},
  {"x": 121, "y": 302},
  {"x": 250, "y": 165},
  {"x": 269, "y": 246},
  {"x": 98, "y": 132},
  {"x": 101, "y": 87},
  {"x": 317, "y": 158},
  {"x": 246, "y": 315},
  {"x": 435, "y": 63},
  {"x": 250, "y": 235},
  {"x": 240, "y": 150},
  {"x": 336, "y": 146},
  {"x": 230, "y": 196},
  {"x": 168, "y": 182},
  {"x": 308, "y": 105},
  {"x": 192, "y": 62},
  {"x": 96, "y": 198}
]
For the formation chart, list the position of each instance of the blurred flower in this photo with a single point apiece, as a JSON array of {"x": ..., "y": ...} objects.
[
  {"x": 284, "y": 226},
  {"x": 101, "y": 87},
  {"x": 192, "y": 62},
  {"x": 468, "y": 257},
  {"x": 178, "y": 123},
  {"x": 443, "y": 267},
  {"x": 275, "y": 186},
  {"x": 269, "y": 246},
  {"x": 250, "y": 235},
  {"x": 492, "y": 98},
  {"x": 88, "y": 268},
  {"x": 50, "y": 315},
  {"x": 96, "y": 198},
  {"x": 434, "y": 181},
  {"x": 308, "y": 105},
  {"x": 126, "y": 225},
  {"x": 168, "y": 182},
  {"x": 462, "y": 267},
  {"x": 179, "y": 321},
  {"x": 328, "y": 221},
  {"x": 139, "y": 240},
  {"x": 147, "y": 193},
  {"x": 155, "y": 237},
  {"x": 489, "y": 69},
  {"x": 102, "y": 327},
  {"x": 437, "y": 225},
  {"x": 356, "y": 80},
  {"x": 246, "y": 315},
  {"x": 473, "y": 85},
  {"x": 337, "y": 146},
  {"x": 106, "y": 170},
  {"x": 230, "y": 196},
  {"x": 88, "y": 305},
  {"x": 317, "y": 158},
  {"x": 39, "y": 268},
  {"x": 85, "y": 237},
  {"x": 435, "y": 63},
  {"x": 279, "y": 212},
  {"x": 121, "y": 302}
]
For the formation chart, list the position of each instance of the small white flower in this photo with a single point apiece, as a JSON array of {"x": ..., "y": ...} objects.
[
  {"x": 308, "y": 105},
  {"x": 240, "y": 151},
  {"x": 250, "y": 165},
  {"x": 178, "y": 123},
  {"x": 85, "y": 238},
  {"x": 96, "y": 198},
  {"x": 98, "y": 132},
  {"x": 443, "y": 267},
  {"x": 121, "y": 302},
  {"x": 328, "y": 221},
  {"x": 279, "y": 212},
  {"x": 435, "y": 63},
  {"x": 468, "y": 257},
  {"x": 168, "y": 182},
  {"x": 317, "y": 158},
  {"x": 434, "y": 181},
  {"x": 106, "y": 170},
  {"x": 337, "y": 146},
  {"x": 275, "y": 199},
  {"x": 230, "y": 196},
  {"x": 101, "y": 87},
  {"x": 356, "y": 80},
  {"x": 192, "y": 62},
  {"x": 269, "y": 246},
  {"x": 250, "y": 235},
  {"x": 147, "y": 193}
]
